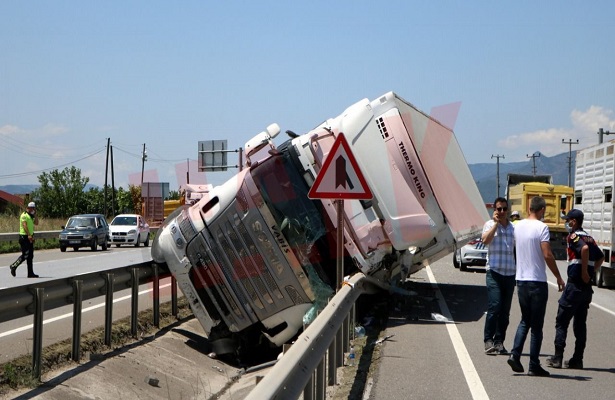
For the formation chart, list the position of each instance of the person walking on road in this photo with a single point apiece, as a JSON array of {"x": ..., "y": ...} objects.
[
  {"x": 498, "y": 234},
  {"x": 584, "y": 257},
  {"x": 533, "y": 251},
  {"x": 27, "y": 220}
]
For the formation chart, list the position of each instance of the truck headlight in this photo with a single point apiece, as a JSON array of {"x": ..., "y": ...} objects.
[
  {"x": 87, "y": 236},
  {"x": 62, "y": 236}
]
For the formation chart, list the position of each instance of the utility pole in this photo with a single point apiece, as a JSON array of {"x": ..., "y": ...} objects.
[
  {"x": 497, "y": 177},
  {"x": 601, "y": 133},
  {"x": 112, "y": 185},
  {"x": 106, "y": 173},
  {"x": 533, "y": 157},
  {"x": 143, "y": 158},
  {"x": 570, "y": 143}
]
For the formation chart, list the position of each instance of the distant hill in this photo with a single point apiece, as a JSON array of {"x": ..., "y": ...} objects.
[
  {"x": 19, "y": 189},
  {"x": 485, "y": 173}
]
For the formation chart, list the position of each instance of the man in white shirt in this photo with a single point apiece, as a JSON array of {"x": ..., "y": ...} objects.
[{"x": 533, "y": 252}]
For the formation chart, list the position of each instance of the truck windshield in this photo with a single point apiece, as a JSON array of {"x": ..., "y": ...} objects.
[{"x": 285, "y": 192}]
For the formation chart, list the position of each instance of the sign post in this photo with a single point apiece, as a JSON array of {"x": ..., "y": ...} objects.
[{"x": 340, "y": 178}]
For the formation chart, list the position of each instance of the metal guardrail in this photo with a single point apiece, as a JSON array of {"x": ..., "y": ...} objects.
[
  {"x": 34, "y": 299},
  {"x": 14, "y": 237},
  {"x": 302, "y": 368}
]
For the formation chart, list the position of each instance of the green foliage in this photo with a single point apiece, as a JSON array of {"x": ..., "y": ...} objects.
[
  {"x": 61, "y": 193},
  {"x": 173, "y": 195}
]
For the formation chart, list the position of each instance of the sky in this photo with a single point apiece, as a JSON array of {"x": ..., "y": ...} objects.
[{"x": 525, "y": 76}]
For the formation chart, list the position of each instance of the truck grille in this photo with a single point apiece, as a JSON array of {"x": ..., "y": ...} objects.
[{"x": 232, "y": 270}]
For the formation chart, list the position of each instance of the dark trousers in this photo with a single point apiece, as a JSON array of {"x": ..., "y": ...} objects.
[
  {"x": 27, "y": 254},
  {"x": 500, "y": 289},
  {"x": 575, "y": 307},
  {"x": 533, "y": 298}
]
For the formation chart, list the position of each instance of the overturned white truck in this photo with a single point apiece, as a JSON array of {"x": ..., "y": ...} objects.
[{"x": 256, "y": 257}]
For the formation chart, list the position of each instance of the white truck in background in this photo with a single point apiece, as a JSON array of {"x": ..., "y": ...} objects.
[
  {"x": 256, "y": 257},
  {"x": 593, "y": 194}
]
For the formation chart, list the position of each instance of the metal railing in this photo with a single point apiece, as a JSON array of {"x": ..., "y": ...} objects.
[
  {"x": 36, "y": 298},
  {"x": 14, "y": 237},
  {"x": 302, "y": 368}
]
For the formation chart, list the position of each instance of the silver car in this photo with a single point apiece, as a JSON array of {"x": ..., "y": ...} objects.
[{"x": 472, "y": 254}]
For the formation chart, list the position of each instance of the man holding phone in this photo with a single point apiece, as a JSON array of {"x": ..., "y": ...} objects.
[
  {"x": 27, "y": 220},
  {"x": 498, "y": 234}
]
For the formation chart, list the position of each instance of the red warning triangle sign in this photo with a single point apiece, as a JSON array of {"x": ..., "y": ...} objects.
[{"x": 340, "y": 176}]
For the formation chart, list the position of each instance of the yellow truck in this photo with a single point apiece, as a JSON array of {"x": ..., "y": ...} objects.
[{"x": 559, "y": 198}]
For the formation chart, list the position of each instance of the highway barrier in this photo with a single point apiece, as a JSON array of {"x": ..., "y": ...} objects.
[{"x": 36, "y": 298}]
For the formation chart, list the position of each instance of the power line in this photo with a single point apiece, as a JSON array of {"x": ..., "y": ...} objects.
[
  {"x": 533, "y": 157},
  {"x": 570, "y": 143},
  {"x": 497, "y": 156},
  {"x": 50, "y": 168}
]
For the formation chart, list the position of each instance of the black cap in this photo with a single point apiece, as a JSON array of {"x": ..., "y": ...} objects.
[{"x": 574, "y": 214}]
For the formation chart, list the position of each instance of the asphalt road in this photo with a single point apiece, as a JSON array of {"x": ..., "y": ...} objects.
[
  {"x": 16, "y": 335},
  {"x": 427, "y": 359}
]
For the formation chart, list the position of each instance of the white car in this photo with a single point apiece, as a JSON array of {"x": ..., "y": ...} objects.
[
  {"x": 473, "y": 253},
  {"x": 129, "y": 229}
]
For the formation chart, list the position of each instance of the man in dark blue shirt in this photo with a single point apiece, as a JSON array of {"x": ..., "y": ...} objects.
[{"x": 584, "y": 257}]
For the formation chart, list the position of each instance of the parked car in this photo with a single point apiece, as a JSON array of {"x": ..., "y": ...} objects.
[
  {"x": 85, "y": 230},
  {"x": 472, "y": 254},
  {"x": 129, "y": 229}
]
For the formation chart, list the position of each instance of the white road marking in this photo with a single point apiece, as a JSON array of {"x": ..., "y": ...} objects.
[
  {"x": 68, "y": 315},
  {"x": 467, "y": 366}
]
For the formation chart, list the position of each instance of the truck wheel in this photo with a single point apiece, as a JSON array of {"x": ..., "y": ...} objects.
[
  {"x": 104, "y": 245},
  {"x": 600, "y": 277},
  {"x": 94, "y": 245},
  {"x": 62, "y": 249}
]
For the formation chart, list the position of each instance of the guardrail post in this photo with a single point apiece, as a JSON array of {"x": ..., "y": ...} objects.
[
  {"x": 321, "y": 391},
  {"x": 353, "y": 321},
  {"x": 346, "y": 333},
  {"x": 174, "y": 296},
  {"x": 339, "y": 347},
  {"x": 134, "y": 275},
  {"x": 308, "y": 391},
  {"x": 156, "y": 295},
  {"x": 37, "y": 335},
  {"x": 108, "y": 308},
  {"x": 77, "y": 306},
  {"x": 332, "y": 365}
]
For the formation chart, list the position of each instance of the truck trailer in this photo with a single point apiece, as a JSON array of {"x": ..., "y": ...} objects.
[
  {"x": 256, "y": 258},
  {"x": 593, "y": 194}
]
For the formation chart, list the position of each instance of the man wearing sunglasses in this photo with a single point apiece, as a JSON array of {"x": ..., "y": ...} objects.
[
  {"x": 498, "y": 234},
  {"x": 533, "y": 252}
]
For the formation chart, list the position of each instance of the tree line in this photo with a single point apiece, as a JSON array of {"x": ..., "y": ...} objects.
[{"x": 63, "y": 193}]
